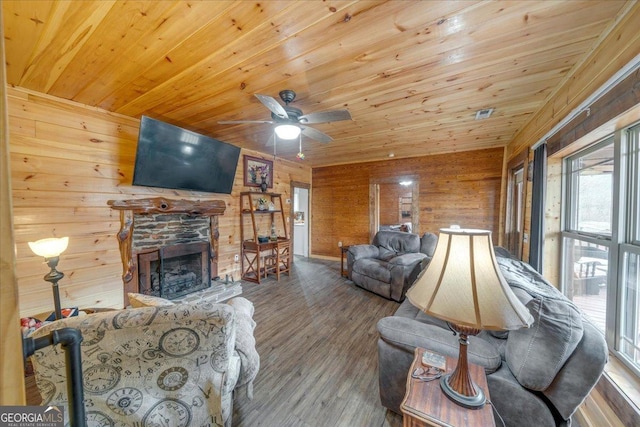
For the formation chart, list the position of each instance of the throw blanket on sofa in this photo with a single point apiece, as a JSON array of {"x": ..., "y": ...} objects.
[{"x": 536, "y": 354}]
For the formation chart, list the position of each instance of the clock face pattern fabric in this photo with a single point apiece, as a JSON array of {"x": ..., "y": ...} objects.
[{"x": 150, "y": 366}]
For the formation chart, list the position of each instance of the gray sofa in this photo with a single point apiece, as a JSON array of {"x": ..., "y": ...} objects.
[
  {"x": 537, "y": 376},
  {"x": 390, "y": 265}
]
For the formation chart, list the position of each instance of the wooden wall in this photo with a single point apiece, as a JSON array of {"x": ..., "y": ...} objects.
[
  {"x": 552, "y": 222},
  {"x": 458, "y": 188},
  {"x": 67, "y": 161}
]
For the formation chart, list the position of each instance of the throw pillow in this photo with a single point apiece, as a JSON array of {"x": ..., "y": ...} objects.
[{"x": 141, "y": 300}]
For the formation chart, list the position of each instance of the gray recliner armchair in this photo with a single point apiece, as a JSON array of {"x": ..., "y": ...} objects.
[{"x": 390, "y": 265}]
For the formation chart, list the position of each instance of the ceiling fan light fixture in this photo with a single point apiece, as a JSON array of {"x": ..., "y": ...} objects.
[{"x": 287, "y": 131}]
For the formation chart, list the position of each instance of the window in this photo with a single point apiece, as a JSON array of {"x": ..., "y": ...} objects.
[
  {"x": 587, "y": 238},
  {"x": 591, "y": 181},
  {"x": 601, "y": 239}
]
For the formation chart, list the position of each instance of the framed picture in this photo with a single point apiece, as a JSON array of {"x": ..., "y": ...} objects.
[{"x": 256, "y": 170}]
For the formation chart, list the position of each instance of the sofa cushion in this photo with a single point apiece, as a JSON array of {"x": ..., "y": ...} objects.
[
  {"x": 428, "y": 243},
  {"x": 580, "y": 372},
  {"x": 410, "y": 311},
  {"x": 373, "y": 268},
  {"x": 517, "y": 405},
  {"x": 536, "y": 354},
  {"x": 393, "y": 243},
  {"x": 408, "y": 334},
  {"x": 356, "y": 252},
  {"x": 407, "y": 259}
]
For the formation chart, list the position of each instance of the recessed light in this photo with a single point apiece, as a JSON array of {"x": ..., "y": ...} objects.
[
  {"x": 391, "y": 155},
  {"x": 484, "y": 114}
]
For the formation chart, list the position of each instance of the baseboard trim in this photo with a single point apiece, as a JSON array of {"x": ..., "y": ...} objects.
[{"x": 324, "y": 257}]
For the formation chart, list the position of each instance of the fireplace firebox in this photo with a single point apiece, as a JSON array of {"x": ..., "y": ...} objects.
[{"x": 174, "y": 271}]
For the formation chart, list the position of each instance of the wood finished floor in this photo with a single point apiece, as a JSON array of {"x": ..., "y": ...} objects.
[{"x": 316, "y": 336}]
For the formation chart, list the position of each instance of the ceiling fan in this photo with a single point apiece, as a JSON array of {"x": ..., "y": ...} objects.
[{"x": 291, "y": 122}]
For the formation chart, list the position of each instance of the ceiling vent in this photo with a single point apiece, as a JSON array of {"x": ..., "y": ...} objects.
[{"x": 484, "y": 114}]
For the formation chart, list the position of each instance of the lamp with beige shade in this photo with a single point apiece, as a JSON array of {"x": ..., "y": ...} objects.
[{"x": 463, "y": 285}]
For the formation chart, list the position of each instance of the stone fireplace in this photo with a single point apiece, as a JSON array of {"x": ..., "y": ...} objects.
[{"x": 169, "y": 248}]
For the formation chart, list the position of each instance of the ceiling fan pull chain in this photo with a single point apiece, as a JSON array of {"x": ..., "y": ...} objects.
[
  {"x": 275, "y": 142},
  {"x": 300, "y": 155}
]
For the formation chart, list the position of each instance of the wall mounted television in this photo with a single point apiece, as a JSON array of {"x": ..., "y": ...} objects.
[{"x": 171, "y": 157}]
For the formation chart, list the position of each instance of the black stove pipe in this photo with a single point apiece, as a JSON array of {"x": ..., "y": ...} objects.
[{"x": 70, "y": 339}]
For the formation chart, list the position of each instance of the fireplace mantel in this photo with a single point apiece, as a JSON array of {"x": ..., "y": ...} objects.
[{"x": 160, "y": 205}]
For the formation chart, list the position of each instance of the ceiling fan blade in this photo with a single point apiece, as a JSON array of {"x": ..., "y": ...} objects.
[
  {"x": 316, "y": 134},
  {"x": 233, "y": 122},
  {"x": 273, "y": 106},
  {"x": 325, "y": 116}
]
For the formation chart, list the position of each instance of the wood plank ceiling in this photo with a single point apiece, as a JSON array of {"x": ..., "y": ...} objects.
[{"x": 412, "y": 73}]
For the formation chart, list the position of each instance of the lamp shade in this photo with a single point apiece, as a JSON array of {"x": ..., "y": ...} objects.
[
  {"x": 49, "y": 248},
  {"x": 463, "y": 284},
  {"x": 287, "y": 131}
]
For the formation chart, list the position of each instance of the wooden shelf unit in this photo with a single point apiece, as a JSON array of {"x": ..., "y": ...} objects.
[{"x": 260, "y": 259}]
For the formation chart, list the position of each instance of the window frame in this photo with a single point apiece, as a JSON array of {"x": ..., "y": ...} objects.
[
  {"x": 633, "y": 210},
  {"x": 635, "y": 250},
  {"x": 625, "y": 229}
]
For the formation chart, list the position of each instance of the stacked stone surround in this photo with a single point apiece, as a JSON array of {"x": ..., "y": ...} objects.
[{"x": 153, "y": 231}]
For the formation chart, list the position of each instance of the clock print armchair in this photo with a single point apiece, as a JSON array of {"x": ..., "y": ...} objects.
[{"x": 144, "y": 365}]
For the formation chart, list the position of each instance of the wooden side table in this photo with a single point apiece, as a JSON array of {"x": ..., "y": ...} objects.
[{"x": 425, "y": 404}]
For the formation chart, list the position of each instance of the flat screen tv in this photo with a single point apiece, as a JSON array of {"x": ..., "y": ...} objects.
[{"x": 171, "y": 157}]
